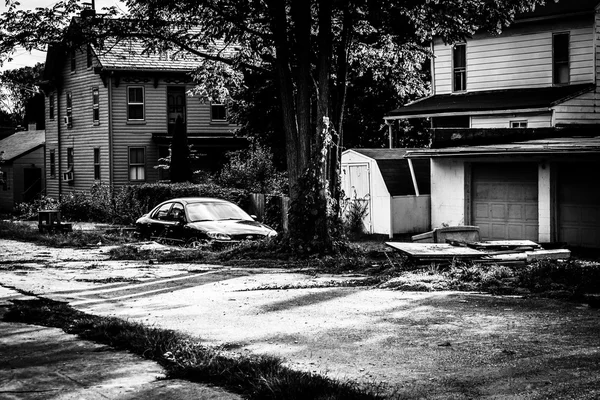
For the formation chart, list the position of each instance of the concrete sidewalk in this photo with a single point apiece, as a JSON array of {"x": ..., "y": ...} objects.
[{"x": 46, "y": 363}]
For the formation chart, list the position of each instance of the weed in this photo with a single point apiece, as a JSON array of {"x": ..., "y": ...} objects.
[{"x": 26, "y": 233}]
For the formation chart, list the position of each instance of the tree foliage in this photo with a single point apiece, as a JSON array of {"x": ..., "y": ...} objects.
[
  {"x": 17, "y": 88},
  {"x": 311, "y": 47}
]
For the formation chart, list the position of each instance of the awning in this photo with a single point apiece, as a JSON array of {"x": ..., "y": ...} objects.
[
  {"x": 490, "y": 102},
  {"x": 542, "y": 147}
]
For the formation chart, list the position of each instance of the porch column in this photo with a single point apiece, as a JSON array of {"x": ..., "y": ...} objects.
[{"x": 544, "y": 202}]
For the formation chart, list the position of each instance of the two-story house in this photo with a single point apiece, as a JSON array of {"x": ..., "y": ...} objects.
[
  {"x": 111, "y": 113},
  {"x": 516, "y": 128}
]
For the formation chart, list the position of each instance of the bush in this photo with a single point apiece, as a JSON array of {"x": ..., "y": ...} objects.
[
  {"x": 29, "y": 211},
  {"x": 253, "y": 170}
]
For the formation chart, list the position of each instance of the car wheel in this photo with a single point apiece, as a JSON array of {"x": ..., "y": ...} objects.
[{"x": 195, "y": 243}]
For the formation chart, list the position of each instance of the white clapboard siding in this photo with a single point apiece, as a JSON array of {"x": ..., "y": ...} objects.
[
  {"x": 584, "y": 109},
  {"x": 84, "y": 135},
  {"x": 540, "y": 120},
  {"x": 519, "y": 58}
]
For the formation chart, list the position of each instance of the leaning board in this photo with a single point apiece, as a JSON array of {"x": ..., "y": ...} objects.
[{"x": 435, "y": 250}]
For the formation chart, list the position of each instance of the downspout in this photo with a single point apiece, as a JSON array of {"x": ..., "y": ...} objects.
[
  {"x": 58, "y": 125},
  {"x": 110, "y": 133}
]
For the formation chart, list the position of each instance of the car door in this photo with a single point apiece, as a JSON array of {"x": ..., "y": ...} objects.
[
  {"x": 175, "y": 222},
  {"x": 159, "y": 221}
]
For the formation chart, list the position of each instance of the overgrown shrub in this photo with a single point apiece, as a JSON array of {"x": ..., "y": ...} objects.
[
  {"x": 30, "y": 210},
  {"x": 575, "y": 276},
  {"x": 354, "y": 211},
  {"x": 253, "y": 170}
]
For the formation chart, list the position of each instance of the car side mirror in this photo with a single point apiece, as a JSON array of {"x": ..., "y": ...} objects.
[{"x": 254, "y": 217}]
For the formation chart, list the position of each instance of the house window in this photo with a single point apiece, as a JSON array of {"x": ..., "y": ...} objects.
[
  {"x": 89, "y": 56},
  {"x": 135, "y": 103},
  {"x": 560, "y": 58},
  {"x": 4, "y": 180},
  {"x": 96, "y": 105},
  {"x": 73, "y": 60},
  {"x": 51, "y": 106},
  {"x": 518, "y": 124},
  {"x": 70, "y": 159},
  {"x": 52, "y": 163},
  {"x": 137, "y": 164},
  {"x": 218, "y": 112},
  {"x": 97, "y": 164},
  {"x": 69, "y": 118},
  {"x": 459, "y": 67}
]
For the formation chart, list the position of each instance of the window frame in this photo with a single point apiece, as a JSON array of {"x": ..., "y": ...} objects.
[
  {"x": 73, "y": 60},
  {"x": 518, "y": 123},
  {"x": 460, "y": 69},
  {"x": 212, "y": 117},
  {"x": 52, "y": 163},
  {"x": 131, "y": 165},
  {"x": 556, "y": 63},
  {"x": 69, "y": 109},
  {"x": 137, "y": 104},
  {"x": 96, "y": 105},
  {"x": 97, "y": 164},
  {"x": 51, "y": 107},
  {"x": 70, "y": 159}
]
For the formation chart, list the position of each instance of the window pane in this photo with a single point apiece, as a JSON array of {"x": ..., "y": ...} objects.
[
  {"x": 136, "y": 111},
  {"x": 136, "y": 95},
  {"x": 136, "y": 156},
  {"x": 218, "y": 112},
  {"x": 460, "y": 59},
  {"x": 136, "y": 173}
]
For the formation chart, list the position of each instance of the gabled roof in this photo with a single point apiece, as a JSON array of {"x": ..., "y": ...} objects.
[
  {"x": 128, "y": 54},
  {"x": 491, "y": 101},
  {"x": 542, "y": 147},
  {"x": 20, "y": 143},
  {"x": 396, "y": 172}
]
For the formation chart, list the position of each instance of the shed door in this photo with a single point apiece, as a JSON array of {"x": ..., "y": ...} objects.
[
  {"x": 578, "y": 195},
  {"x": 505, "y": 200},
  {"x": 356, "y": 184}
]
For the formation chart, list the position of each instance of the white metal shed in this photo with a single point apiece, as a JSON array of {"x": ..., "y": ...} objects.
[{"x": 397, "y": 189}]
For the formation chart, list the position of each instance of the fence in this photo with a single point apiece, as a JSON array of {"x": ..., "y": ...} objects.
[{"x": 272, "y": 210}]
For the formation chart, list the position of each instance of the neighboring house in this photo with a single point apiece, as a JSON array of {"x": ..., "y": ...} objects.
[
  {"x": 394, "y": 190},
  {"x": 516, "y": 128},
  {"x": 111, "y": 112},
  {"x": 21, "y": 168}
]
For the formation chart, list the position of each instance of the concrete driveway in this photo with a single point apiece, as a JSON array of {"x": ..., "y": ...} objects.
[{"x": 419, "y": 345}]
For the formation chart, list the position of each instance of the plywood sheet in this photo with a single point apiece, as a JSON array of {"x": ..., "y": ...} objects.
[{"x": 435, "y": 250}]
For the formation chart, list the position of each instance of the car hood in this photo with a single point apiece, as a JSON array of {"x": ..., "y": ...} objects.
[{"x": 232, "y": 227}]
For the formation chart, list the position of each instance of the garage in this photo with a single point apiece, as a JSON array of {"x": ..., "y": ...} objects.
[
  {"x": 578, "y": 204},
  {"x": 505, "y": 200}
]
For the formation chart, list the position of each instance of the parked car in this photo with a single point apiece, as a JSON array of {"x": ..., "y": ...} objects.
[{"x": 195, "y": 220}]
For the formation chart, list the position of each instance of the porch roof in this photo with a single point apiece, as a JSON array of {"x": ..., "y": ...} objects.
[
  {"x": 550, "y": 146},
  {"x": 21, "y": 143},
  {"x": 490, "y": 101}
]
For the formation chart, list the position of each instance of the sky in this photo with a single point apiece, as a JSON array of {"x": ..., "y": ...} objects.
[{"x": 22, "y": 58}]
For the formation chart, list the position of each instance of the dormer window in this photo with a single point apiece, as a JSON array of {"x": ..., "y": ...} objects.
[
  {"x": 459, "y": 67},
  {"x": 560, "y": 58}
]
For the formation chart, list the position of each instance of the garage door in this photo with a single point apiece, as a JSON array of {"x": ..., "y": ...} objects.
[
  {"x": 505, "y": 200},
  {"x": 578, "y": 195}
]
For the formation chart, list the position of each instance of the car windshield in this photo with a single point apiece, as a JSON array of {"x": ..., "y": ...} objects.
[{"x": 215, "y": 211}]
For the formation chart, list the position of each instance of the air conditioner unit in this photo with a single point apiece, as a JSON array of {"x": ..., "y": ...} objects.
[
  {"x": 68, "y": 176},
  {"x": 69, "y": 120}
]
